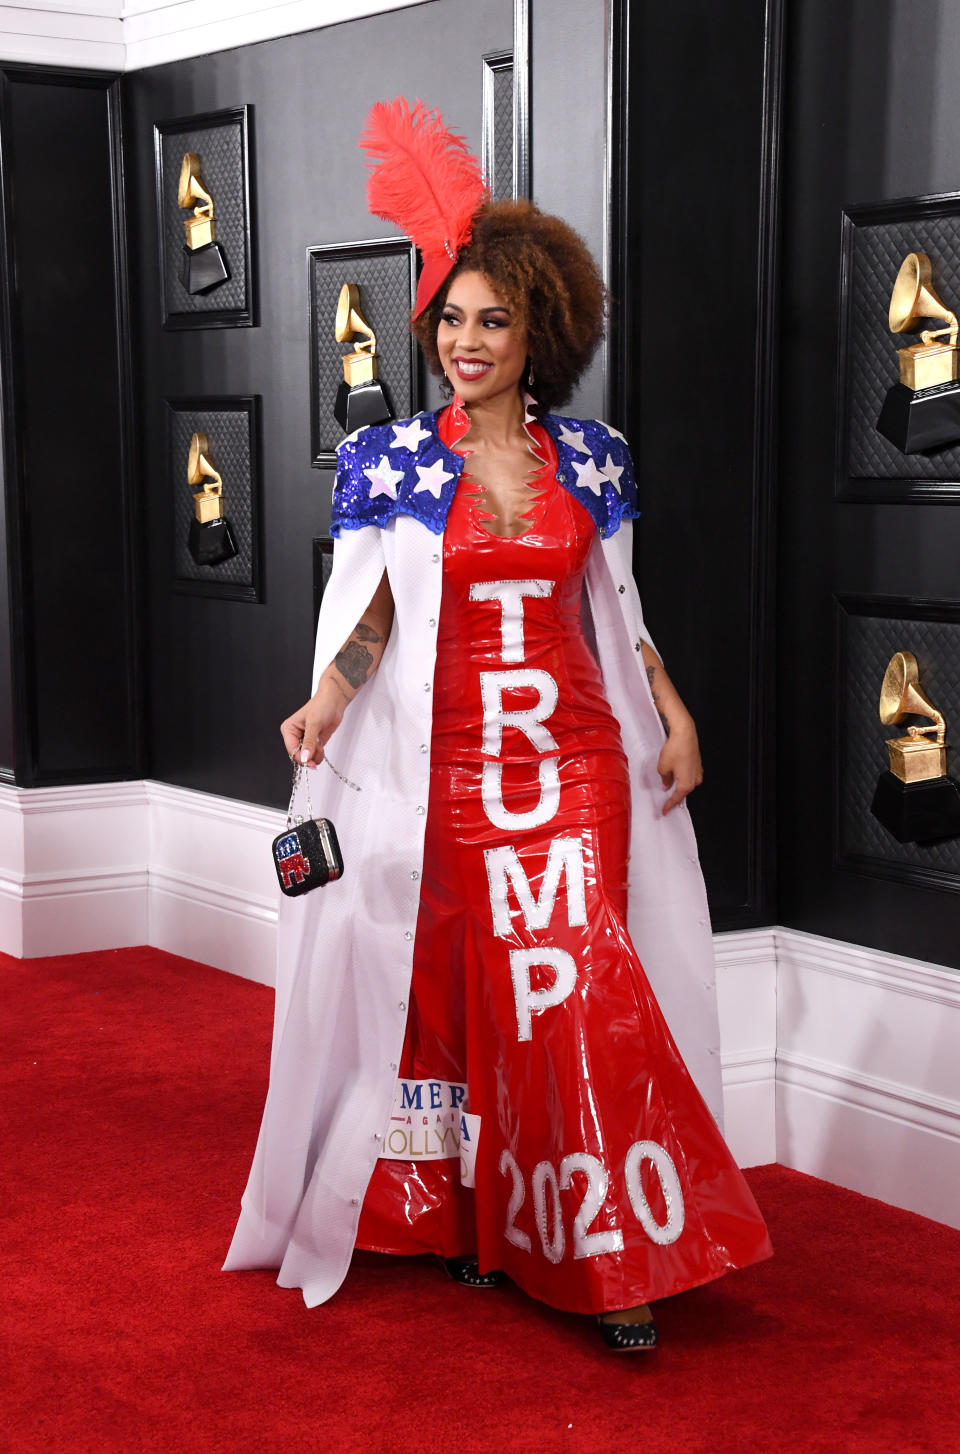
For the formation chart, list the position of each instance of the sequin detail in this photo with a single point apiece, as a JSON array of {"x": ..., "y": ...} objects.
[{"x": 423, "y": 482}]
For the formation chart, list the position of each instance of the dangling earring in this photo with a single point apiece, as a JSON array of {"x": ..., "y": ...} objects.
[{"x": 530, "y": 375}]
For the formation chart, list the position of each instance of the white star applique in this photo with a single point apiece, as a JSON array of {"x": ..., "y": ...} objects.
[
  {"x": 612, "y": 472},
  {"x": 573, "y": 440},
  {"x": 432, "y": 477},
  {"x": 384, "y": 480},
  {"x": 409, "y": 436},
  {"x": 613, "y": 433},
  {"x": 589, "y": 477}
]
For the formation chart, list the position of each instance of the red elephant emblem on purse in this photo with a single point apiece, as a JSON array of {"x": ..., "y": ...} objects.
[{"x": 290, "y": 860}]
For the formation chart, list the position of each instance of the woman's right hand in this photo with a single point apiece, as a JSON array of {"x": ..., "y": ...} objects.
[{"x": 306, "y": 732}]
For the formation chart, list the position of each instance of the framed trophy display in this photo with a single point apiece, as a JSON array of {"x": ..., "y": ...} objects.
[
  {"x": 898, "y": 404},
  {"x": 202, "y": 167},
  {"x": 898, "y": 796},
  {"x": 363, "y": 357},
  {"x": 213, "y": 478}
]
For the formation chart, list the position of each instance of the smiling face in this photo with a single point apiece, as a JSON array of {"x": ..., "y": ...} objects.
[{"x": 481, "y": 342}]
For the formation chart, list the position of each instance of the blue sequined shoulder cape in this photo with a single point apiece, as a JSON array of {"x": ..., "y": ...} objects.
[{"x": 404, "y": 467}]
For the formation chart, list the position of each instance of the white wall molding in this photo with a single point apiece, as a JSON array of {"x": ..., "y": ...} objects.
[
  {"x": 868, "y": 1075},
  {"x": 747, "y": 1002},
  {"x": 838, "y": 1060},
  {"x": 111, "y": 35},
  {"x": 213, "y": 890},
  {"x": 83, "y": 33},
  {"x": 73, "y": 868},
  {"x": 106, "y": 866}
]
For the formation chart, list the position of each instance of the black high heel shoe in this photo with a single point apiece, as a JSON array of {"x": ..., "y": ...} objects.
[
  {"x": 629, "y": 1337},
  {"x": 466, "y": 1271}
]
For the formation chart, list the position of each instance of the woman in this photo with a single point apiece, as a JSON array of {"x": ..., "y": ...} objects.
[{"x": 468, "y": 1058}]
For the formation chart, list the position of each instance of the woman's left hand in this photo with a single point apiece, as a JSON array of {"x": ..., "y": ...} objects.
[{"x": 679, "y": 763}]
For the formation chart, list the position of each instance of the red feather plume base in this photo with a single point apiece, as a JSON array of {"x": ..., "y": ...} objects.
[{"x": 426, "y": 180}]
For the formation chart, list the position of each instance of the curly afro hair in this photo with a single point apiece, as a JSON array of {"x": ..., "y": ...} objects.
[{"x": 546, "y": 275}]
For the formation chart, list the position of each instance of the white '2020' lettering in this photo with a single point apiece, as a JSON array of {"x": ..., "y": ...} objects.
[
  {"x": 585, "y": 1242},
  {"x": 640, "y": 1152},
  {"x": 518, "y": 1192},
  {"x": 552, "y": 1239},
  {"x": 548, "y": 1212}
]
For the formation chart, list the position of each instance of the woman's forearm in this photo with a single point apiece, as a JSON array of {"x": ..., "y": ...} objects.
[
  {"x": 666, "y": 698},
  {"x": 359, "y": 657}
]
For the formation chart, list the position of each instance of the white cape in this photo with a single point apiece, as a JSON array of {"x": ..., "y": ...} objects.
[{"x": 345, "y": 951}]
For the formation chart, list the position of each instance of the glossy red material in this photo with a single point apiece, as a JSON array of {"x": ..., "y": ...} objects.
[{"x": 601, "y": 1178}]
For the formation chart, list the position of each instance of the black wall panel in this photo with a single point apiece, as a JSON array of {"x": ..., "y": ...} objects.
[
  {"x": 864, "y": 123},
  {"x": 222, "y": 674},
  {"x": 696, "y": 366},
  {"x": 7, "y": 745},
  {"x": 68, "y": 548}
]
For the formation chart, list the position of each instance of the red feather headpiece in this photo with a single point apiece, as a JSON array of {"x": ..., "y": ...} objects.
[{"x": 425, "y": 179}]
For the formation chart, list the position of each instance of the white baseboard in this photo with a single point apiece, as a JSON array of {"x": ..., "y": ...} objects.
[
  {"x": 868, "y": 1072},
  {"x": 73, "y": 868},
  {"x": 112, "y": 865},
  {"x": 213, "y": 890},
  {"x": 838, "y": 1060},
  {"x": 747, "y": 1002}
]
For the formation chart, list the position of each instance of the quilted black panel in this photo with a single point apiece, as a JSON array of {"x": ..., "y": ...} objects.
[
  {"x": 868, "y": 644},
  {"x": 220, "y": 148},
  {"x": 877, "y": 251},
  {"x": 497, "y": 128},
  {"x": 382, "y": 271},
  {"x": 502, "y": 179},
  {"x": 231, "y": 452}
]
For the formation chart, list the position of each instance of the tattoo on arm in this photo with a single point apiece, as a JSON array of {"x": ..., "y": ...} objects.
[
  {"x": 651, "y": 674},
  {"x": 366, "y": 633},
  {"x": 354, "y": 663}
]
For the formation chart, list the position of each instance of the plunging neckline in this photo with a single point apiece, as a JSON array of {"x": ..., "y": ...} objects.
[{"x": 454, "y": 423}]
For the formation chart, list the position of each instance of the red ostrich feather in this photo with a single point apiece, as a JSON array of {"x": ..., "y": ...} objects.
[{"x": 423, "y": 176}]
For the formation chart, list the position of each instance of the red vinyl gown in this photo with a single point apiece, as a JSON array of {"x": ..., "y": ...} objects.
[{"x": 602, "y": 1180}]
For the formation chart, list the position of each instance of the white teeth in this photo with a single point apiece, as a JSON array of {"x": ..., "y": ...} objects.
[{"x": 472, "y": 368}]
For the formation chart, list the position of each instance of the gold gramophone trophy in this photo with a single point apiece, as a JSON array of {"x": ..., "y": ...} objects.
[
  {"x": 211, "y": 539},
  {"x": 915, "y": 799},
  {"x": 360, "y": 398},
  {"x": 922, "y": 411},
  {"x": 202, "y": 263}
]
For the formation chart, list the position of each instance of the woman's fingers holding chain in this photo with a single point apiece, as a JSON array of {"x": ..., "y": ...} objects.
[
  {"x": 292, "y": 730},
  {"x": 306, "y": 733},
  {"x": 301, "y": 737}
]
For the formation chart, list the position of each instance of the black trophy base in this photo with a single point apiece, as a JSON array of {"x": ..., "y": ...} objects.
[
  {"x": 203, "y": 268},
  {"x": 919, "y": 419},
  {"x": 211, "y": 542},
  {"x": 361, "y": 405},
  {"x": 917, "y": 812}
]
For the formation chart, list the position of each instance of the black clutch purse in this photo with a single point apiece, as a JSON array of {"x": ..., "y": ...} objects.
[{"x": 306, "y": 854}]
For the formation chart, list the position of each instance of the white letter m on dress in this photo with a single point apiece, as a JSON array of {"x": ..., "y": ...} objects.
[{"x": 504, "y": 867}]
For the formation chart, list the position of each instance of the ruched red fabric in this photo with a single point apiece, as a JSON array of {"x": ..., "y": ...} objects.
[{"x": 602, "y": 1180}]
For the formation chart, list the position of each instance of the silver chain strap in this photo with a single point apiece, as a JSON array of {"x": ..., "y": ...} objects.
[{"x": 299, "y": 773}]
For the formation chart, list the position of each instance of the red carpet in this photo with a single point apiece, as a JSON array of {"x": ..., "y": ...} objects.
[{"x": 132, "y": 1090}]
